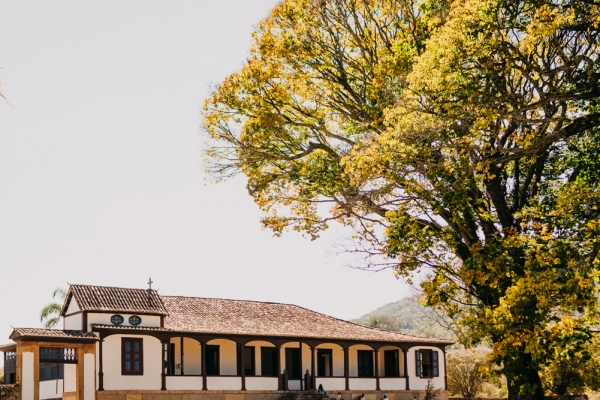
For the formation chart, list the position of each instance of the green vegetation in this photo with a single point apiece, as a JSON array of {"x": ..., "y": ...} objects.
[
  {"x": 458, "y": 142},
  {"x": 575, "y": 373},
  {"x": 411, "y": 317},
  {"x": 49, "y": 316}
]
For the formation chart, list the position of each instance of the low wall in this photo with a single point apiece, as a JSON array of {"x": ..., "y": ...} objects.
[{"x": 255, "y": 395}]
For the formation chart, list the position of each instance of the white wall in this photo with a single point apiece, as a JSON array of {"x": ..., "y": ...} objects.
[
  {"x": 392, "y": 383},
  {"x": 418, "y": 383},
  {"x": 330, "y": 384},
  {"x": 261, "y": 383},
  {"x": 223, "y": 383},
  {"x": 111, "y": 353},
  {"x": 27, "y": 389},
  {"x": 104, "y": 318},
  {"x": 184, "y": 382},
  {"x": 362, "y": 384},
  {"x": 73, "y": 307},
  {"x": 51, "y": 389},
  {"x": 74, "y": 322},
  {"x": 70, "y": 377}
]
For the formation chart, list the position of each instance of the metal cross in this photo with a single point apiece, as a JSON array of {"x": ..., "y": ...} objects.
[{"x": 150, "y": 283}]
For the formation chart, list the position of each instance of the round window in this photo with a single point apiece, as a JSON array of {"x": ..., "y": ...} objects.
[
  {"x": 135, "y": 320},
  {"x": 117, "y": 319}
]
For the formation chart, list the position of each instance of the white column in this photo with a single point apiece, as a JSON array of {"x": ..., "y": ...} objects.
[
  {"x": 27, "y": 379},
  {"x": 89, "y": 377}
]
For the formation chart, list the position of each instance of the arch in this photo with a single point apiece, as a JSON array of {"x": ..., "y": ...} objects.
[
  {"x": 332, "y": 364},
  {"x": 226, "y": 354},
  {"x": 254, "y": 359},
  {"x": 182, "y": 356},
  {"x": 353, "y": 360},
  {"x": 386, "y": 367}
]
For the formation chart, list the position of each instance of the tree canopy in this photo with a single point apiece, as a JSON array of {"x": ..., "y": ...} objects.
[{"x": 458, "y": 140}]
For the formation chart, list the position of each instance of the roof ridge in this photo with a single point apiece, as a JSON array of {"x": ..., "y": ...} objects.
[
  {"x": 110, "y": 287},
  {"x": 237, "y": 300}
]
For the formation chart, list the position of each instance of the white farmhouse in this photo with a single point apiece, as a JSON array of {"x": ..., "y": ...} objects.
[{"x": 134, "y": 344}]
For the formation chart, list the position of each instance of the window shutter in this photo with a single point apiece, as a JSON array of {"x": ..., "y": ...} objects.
[
  {"x": 418, "y": 362},
  {"x": 436, "y": 370}
]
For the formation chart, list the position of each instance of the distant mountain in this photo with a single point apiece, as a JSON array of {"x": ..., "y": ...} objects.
[{"x": 408, "y": 316}]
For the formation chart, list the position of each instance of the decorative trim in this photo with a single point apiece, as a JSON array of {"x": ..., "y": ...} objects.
[
  {"x": 244, "y": 339},
  {"x": 73, "y": 313}
]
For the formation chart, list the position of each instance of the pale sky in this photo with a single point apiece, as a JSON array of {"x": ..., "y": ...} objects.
[{"x": 101, "y": 173}]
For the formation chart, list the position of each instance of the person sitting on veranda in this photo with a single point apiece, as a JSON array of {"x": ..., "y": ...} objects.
[{"x": 322, "y": 391}]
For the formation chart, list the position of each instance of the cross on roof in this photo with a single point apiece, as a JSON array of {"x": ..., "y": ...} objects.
[{"x": 150, "y": 283}]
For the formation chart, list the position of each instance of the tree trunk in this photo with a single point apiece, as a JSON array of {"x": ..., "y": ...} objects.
[{"x": 523, "y": 379}]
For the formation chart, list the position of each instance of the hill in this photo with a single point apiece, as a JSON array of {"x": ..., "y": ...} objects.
[{"x": 408, "y": 316}]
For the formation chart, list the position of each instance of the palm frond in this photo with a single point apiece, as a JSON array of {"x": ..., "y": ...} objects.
[
  {"x": 50, "y": 314},
  {"x": 52, "y": 322},
  {"x": 59, "y": 293},
  {"x": 49, "y": 310}
]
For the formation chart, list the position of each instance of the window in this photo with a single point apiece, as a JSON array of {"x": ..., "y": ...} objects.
[
  {"x": 391, "y": 362},
  {"x": 292, "y": 363},
  {"x": 117, "y": 319},
  {"x": 169, "y": 361},
  {"x": 247, "y": 361},
  {"x": 365, "y": 362},
  {"x": 427, "y": 363},
  {"x": 135, "y": 320},
  {"x": 50, "y": 372},
  {"x": 324, "y": 362},
  {"x": 212, "y": 360},
  {"x": 10, "y": 358},
  {"x": 268, "y": 361},
  {"x": 132, "y": 357}
]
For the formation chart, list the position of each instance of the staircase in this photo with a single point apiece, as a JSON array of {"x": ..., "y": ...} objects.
[{"x": 303, "y": 395}]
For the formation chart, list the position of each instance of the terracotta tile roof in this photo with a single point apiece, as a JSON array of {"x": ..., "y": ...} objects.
[
  {"x": 115, "y": 299},
  {"x": 254, "y": 318},
  {"x": 21, "y": 333},
  {"x": 8, "y": 346}
]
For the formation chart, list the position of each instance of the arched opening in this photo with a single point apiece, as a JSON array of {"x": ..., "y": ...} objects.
[
  {"x": 329, "y": 367},
  {"x": 391, "y": 368},
  {"x": 182, "y": 356},
  {"x": 362, "y": 369},
  {"x": 261, "y": 365},
  {"x": 222, "y": 365},
  {"x": 391, "y": 362}
]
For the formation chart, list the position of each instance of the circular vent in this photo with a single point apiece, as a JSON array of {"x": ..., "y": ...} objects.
[{"x": 135, "y": 320}]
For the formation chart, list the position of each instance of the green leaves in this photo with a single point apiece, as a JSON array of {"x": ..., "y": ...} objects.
[{"x": 458, "y": 140}]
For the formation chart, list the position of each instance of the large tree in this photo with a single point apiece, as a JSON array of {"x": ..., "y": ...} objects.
[{"x": 459, "y": 140}]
